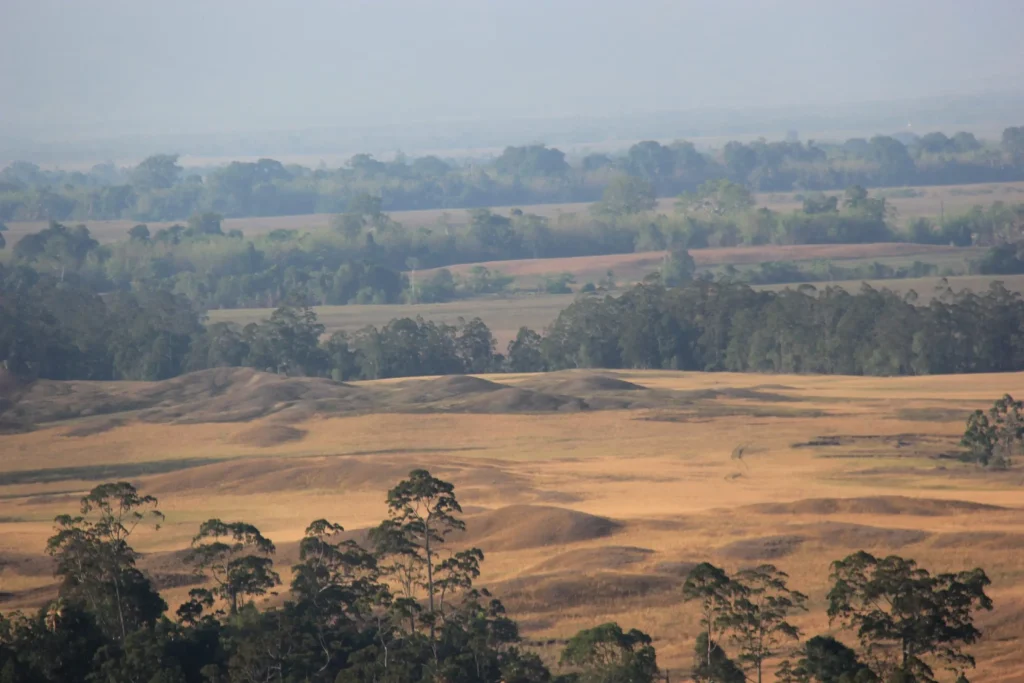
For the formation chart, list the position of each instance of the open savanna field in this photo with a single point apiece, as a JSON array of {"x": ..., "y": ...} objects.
[
  {"x": 909, "y": 203},
  {"x": 591, "y": 494}
]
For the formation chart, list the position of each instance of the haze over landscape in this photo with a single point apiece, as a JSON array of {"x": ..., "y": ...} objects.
[
  {"x": 115, "y": 69},
  {"x": 511, "y": 342}
]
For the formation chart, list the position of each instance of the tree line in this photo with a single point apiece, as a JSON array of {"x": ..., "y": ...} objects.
[
  {"x": 402, "y": 606},
  {"x": 368, "y": 258},
  {"x": 61, "y": 329},
  {"x": 159, "y": 189}
]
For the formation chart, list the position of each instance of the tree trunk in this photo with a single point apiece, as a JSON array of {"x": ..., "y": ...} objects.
[{"x": 430, "y": 586}]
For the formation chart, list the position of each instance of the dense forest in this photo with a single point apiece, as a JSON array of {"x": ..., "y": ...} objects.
[
  {"x": 159, "y": 189},
  {"x": 403, "y": 607},
  {"x": 61, "y": 329}
]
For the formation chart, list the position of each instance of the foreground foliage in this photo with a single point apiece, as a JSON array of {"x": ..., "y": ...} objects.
[{"x": 405, "y": 608}]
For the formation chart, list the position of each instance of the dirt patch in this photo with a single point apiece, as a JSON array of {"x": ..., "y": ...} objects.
[
  {"x": 763, "y": 548},
  {"x": 264, "y": 475},
  {"x": 444, "y": 388},
  {"x": 873, "y": 505},
  {"x": 574, "y": 384},
  {"x": 111, "y": 472},
  {"x": 855, "y": 536},
  {"x": 773, "y": 387},
  {"x": 677, "y": 568},
  {"x": 987, "y": 540},
  {"x": 515, "y": 400},
  {"x": 516, "y": 527},
  {"x": 893, "y": 440},
  {"x": 736, "y": 393},
  {"x": 94, "y": 427},
  {"x": 265, "y": 436},
  {"x": 26, "y": 564},
  {"x": 554, "y": 592},
  {"x": 710, "y": 409},
  {"x": 933, "y": 414},
  {"x": 593, "y": 559}
]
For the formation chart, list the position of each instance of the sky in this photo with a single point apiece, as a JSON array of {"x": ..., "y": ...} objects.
[{"x": 138, "y": 66}]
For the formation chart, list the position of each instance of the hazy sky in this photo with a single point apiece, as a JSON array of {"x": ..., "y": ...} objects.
[{"x": 223, "y": 65}]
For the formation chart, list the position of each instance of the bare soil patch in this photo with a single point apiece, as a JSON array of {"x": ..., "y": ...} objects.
[
  {"x": 874, "y": 505},
  {"x": 764, "y": 548},
  {"x": 265, "y": 436},
  {"x": 593, "y": 559}
]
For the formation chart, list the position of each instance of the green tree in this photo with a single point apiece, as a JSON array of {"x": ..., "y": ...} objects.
[
  {"x": 97, "y": 564},
  {"x": 626, "y": 196},
  {"x": 678, "y": 267},
  {"x": 558, "y": 284},
  {"x": 1013, "y": 141},
  {"x": 422, "y": 513},
  {"x": 758, "y": 613},
  {"x": 651, "y": 160},
  {"x": 158, "y": 172},
  {"x": 474, "y": 346},
  {"x": 993, "y": 438},
  {"x": 904, "y": 616},
  {"x": 819, "y": 203},
  {"x": 139, "y": 233},
  {"x": 532, "y": 160},
  {"x": 712, "y": 588},
  {"x": 494, "y": 233},
  {"x": 716, "y": 198},
  {"x": 607, "y": 654},
  {"x": 826, "y": 660},
  {"x": 236, "y": 557},
  {"x": 525, "y": 352},
  {"x": 711, "y": 664},
  {"x": 207, "y": 223},
  {"x": 289, "y": 342}
]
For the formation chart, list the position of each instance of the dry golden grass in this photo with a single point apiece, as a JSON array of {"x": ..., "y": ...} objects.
[{"x": 664, "y": 476}]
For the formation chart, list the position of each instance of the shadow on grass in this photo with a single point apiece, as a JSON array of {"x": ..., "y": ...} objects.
[{"x": 102, "y": 472}]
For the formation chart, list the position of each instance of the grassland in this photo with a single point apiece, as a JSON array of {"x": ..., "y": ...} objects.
[
  {"x": 908, "y": 202},
  {"x": 585, "y": 516}
]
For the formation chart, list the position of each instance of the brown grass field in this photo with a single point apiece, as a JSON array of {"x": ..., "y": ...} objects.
[
  {"x": 927, "y": 201},
  {"x": 585, "y": 516},
  {"x": 505, "y": 316}
]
